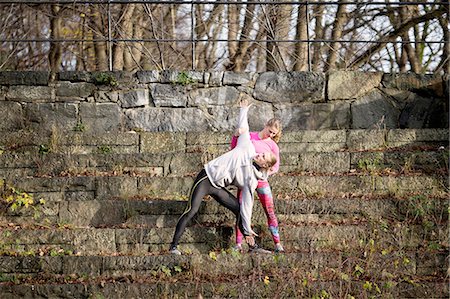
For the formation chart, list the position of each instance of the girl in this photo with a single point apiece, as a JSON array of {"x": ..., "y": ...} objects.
[
  {"x": 265, "y": 141},
  {"x": 241, "y": 167}
]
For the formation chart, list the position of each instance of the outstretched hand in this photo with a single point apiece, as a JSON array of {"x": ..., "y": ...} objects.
[{"x": 243, "y": 103}]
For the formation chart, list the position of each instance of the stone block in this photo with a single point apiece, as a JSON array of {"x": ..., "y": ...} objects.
[
  {"x": 77, "y": 89},
  {"x": 148, "y": 76},
  {"x": 76, "y": 76},
  {"x": 169, "y": 76},
  {"x": 185, "y": 164},
  {"x": 290, "y": 87},
  {"x": 314, "y": 136},
  {"x": 214, "y": 78},
  {"x": 24, "y": 78},
  {"x": 374, "y": 111},
  {"x": 324, "y": 162},
  {"x": 369, "y": 161},
  {"x": 208, "y": 138},
  {"x": 423, "y": 112},
  {"x": 366, "y": 139},
  {"x": 430, "y": 84},
  {"x": 399, "y": 137},
  {"x": 224, "y": 264},
  {"x": 30, "y": 94},
  {"x": 215, "y": 96},
  {"x": 101, "y": 117},
  {"x": 167, "y": 119},
  {"x": 165, "y": 187},
  {"x": 90, "y": 266},
  {"x": 168, "y": 95},
  {"x": 12, "y": 117},
  {"x": 51, "y": 116},
  {"x": 321, "y": 116},
  {"x": 116, "y": 187},
  {"x": 54, "y": 184},
  {"x": 345, "y": 85},
  {"x": 245, "y": 79},
  {"x": 162, "y": 143},
  {"x": 106, "y": 96},
  {"x": 134, "y": 98}
]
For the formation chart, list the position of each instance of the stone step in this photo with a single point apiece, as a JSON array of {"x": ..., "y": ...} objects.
[
  {"x": 58, "y": 189},
  {"x": 292, "y": 275},
  {"x": 216, "y": 142},
  {"x": 180, "y": 164},
  {"x": 165, "y": 213},
  {"x": 154, "y": 288},
  {"x": 203, "y": 238},
  {"x": 162, "y": 213}
]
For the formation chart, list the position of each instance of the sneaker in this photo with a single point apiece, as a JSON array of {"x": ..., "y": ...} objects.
[
  {"x": 174, "y": 251},
  {"x": 258, "y": 250},
  {"x": 279, "y": 248}
]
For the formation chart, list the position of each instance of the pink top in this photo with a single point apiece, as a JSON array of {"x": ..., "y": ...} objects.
[{"x": 262, "y": 146}]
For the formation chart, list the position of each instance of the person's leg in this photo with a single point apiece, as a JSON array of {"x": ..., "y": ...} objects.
[
  {"x": 265, "y": 197},
  {"x": 239, "y": 235},
  {"x": 200, "y": 188},
  {"x": 228, "y": 200}
]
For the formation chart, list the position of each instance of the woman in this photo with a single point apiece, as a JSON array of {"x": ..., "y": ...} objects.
[
  {"x": 241, "y": 167},
  {"x": 264, "y": 141}
]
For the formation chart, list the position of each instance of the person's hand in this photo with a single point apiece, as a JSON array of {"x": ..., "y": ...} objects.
[
  {"x": 240, "y": 131},
  {"x": 243, "y": 103},
  {"x": 250, "y": 240}
]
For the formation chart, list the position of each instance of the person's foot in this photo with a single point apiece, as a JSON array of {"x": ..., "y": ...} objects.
[
  {"x": 174, "y": 251},
  {"x": 238, "y": 248},
  {"x": 258, "y": 250},
  {"x": 279, "y": 248}
]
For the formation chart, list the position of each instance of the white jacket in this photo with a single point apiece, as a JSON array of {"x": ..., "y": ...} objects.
[{"x": 236, "y": 168}]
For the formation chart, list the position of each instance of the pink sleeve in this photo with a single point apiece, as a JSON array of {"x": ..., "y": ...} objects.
[{"x": 233, "y": 142}]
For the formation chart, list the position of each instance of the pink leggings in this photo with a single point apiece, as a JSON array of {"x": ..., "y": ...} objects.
[{"x": 266, "y": 199}]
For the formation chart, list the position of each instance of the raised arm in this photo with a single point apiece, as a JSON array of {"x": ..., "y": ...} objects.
[{"x": 242, "y": 126}]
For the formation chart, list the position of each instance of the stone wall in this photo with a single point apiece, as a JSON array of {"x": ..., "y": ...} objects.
[{"x": 173, "y": 101}]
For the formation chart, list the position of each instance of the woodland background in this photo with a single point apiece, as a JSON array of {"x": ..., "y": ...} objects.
[{"x": 238, "y": 36}]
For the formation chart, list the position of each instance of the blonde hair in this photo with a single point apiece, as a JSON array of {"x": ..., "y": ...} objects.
[
  {"x": 275, "y": 123},
  {"x": 272, "y": 161}
]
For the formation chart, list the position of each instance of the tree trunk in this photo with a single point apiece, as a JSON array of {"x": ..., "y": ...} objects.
[
  {"x": 445, "y": 63},
  {"x": 55, "y": 54},
  {"x": 301, "y": 48},
  {"x": 233, "y": 28},
  {"x": 338, "y": 27},
  {"x": 319, "y": 34},
  {"x": 405, "y": 15},
  {"x": 137, "y": 48},
  {"x": 99, "y": 32},
  {"x": 237, "y": 61},
  {"x": 271, "y": 17},
  {"x": 123, "y": 29}
]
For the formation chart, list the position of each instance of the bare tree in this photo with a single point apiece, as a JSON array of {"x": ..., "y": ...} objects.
[
  {"x": 240, "y": 59},
  {"x": 301, "y": 48},
  {"x": 391, "y": 36},
  {"x": 319, "y": 32},
  {"x": 258, "y": 36},
  {"x": 338, "y": 28},
  {"x": 99, "y": 31},
  {"x": 55, "y": 54}
]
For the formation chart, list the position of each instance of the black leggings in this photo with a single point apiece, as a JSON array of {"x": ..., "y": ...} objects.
[{"x": 202, "y": 186}]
